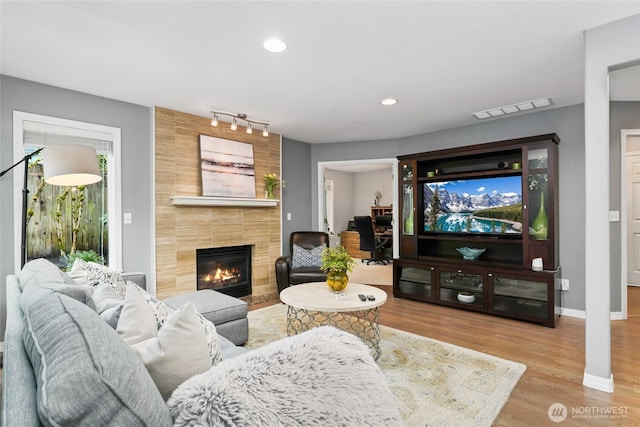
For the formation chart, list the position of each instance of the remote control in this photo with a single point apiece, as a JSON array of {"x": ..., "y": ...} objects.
[
  {"x": 371, "y": 298},
  {"x": 362, "y": 297}
]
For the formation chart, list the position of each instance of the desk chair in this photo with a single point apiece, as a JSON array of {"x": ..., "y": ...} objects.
[{"x": 369, "y": 241}]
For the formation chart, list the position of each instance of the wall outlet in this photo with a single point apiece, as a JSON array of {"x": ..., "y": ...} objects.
[
  {"x": 564, "y": 285},
  {"x": 288, "y": 216},
  {"x": 614, "y": 216},
  {"x": 127, "y": 218}
]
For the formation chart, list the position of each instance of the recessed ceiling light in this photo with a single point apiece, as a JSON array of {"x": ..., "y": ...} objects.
[
  {"x": 274, "y": 45},
  {"x": 389, "y": 101}
]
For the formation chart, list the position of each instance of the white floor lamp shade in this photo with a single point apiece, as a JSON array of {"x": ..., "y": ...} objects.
[{"x": 71, "y": 165}]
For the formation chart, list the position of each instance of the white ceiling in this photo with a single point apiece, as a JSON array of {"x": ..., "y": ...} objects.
[{"x": 442, "y": 60}]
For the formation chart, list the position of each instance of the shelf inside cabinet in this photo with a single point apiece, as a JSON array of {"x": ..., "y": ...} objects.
[
  {"x": 464, "y": 263},
  {"x": 503, "y": 238},
  {"x": 452, "y": 176},
  {"x": 450, "y": 295}
]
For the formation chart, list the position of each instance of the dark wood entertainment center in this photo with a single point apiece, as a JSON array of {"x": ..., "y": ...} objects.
[{"x": 501, "y": 280}]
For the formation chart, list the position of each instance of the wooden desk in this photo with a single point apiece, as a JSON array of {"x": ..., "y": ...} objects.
[{"x": 351, "y": 241}]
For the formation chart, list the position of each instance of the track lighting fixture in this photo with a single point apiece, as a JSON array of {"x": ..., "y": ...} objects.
[{"x": 240, "y": 116}]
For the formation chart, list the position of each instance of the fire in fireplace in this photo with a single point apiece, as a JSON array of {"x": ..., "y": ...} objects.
[{"x": 225, "y": 269}]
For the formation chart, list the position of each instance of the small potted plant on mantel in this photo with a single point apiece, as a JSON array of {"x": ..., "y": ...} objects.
[{"x": 336, "y": 262}]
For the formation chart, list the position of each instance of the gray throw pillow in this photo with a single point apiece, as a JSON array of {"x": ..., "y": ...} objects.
[
  {"x": 85, "y": 373},
  {"x": 46, "y": 274},
  {"x": 108, "y": 303},
  {"x": 306, "y": 258}
]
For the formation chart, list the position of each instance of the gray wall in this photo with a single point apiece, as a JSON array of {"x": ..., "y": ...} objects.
[
  {"x": 343, "y": 206},
  {"x": 365, "y": 186},
  {"x": 361, "y": 150},
  {"x": 296, "y": 196},
  {"x": 137, "y": 179},
  {"x": 567, "y": 122}
]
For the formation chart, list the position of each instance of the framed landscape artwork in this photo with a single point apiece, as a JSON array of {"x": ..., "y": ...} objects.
[{"x": 227, "y": 168}]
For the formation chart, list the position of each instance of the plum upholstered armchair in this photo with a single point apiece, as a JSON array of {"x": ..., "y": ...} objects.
[{"x": 303, "y": 265}]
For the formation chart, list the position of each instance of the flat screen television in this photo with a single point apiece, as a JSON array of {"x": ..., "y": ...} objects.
[{"x": 491, "y": 205}]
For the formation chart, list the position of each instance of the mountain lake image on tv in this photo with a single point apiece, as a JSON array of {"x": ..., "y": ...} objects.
[{"x": 479, "y": 205}]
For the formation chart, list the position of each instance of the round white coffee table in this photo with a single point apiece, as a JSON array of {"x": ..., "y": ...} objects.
[{"x": 314, "y": 304}]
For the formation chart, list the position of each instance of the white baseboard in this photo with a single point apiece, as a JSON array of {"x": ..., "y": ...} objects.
[
  {"x": 581, "y": 314},
  {"x": 570, "y": 312},
  {"x": 598, "y": 383}
]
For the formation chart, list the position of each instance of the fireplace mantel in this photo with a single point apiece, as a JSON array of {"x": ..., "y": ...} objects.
[{"x": 222, "y": 201}]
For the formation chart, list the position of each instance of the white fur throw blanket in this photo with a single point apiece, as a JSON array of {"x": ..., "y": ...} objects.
[{"x": 322, "y": 377}]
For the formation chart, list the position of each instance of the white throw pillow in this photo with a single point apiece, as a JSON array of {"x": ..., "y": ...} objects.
[
  {"x": 163, "y": 311},
  {"x": 172, "y": 354},
  {"x": 137, "y": 320},
  {"x": 90, "y": 273}
]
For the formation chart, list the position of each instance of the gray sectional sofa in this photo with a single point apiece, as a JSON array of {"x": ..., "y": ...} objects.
[
  {"x": 19, "y": 398},
  {"x": 65, "y": 365}
]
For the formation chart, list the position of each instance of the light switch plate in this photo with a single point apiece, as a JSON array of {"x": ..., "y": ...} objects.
[{"x": 614, "y": 216}]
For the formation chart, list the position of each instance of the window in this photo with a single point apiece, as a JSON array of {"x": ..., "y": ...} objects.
[{"x": 63, "y": 219}]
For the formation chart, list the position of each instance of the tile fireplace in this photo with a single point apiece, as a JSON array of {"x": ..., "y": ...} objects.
[{"x": 225, "y": 269}]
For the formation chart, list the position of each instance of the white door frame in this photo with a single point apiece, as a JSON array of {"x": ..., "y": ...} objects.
[
  {"x": 328, "y": 196},
  {"x": 624, "y": 133},
  {"x": 393, "y": 162}
]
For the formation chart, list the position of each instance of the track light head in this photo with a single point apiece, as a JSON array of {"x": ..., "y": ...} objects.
[{"x": 240, "y": 116}]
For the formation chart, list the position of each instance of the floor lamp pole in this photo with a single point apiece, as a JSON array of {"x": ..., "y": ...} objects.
[{"x": 25, "y": 196}]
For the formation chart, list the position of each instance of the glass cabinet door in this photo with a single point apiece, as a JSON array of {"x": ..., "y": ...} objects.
[
  {"x": 408, "y": 185},
  {"x": 416, "y": 282},
  {"x": 460, "y": 287},
  {"x": 538, "y": 194},
  {"x": 407, "y": 210},
  {"x": 521, "y": 295}
]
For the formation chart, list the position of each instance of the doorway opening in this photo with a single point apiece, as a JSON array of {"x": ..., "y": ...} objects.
[
  {"x": 351, "y": 193},
  {"x": 630, "y": 222}
]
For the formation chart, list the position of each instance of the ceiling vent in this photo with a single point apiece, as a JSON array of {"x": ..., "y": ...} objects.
[{"x": 513, "y": 108}]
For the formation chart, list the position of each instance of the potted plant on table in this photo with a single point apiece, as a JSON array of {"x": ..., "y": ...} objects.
[{"x": 336, "y": 262}]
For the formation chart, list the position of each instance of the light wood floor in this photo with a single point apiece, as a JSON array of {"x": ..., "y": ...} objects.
[{"x": 554, "y": 358}]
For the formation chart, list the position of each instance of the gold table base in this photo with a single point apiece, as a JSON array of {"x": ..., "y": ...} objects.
[{"x": 362, "y": 323}]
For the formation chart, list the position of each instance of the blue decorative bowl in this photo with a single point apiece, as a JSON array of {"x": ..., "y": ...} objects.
[{"x": 470, "y": 253}]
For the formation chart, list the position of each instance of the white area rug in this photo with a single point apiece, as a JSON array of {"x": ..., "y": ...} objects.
[
  {"x": 435, "y": 383},
  {"x": 372, "y": 274}
]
